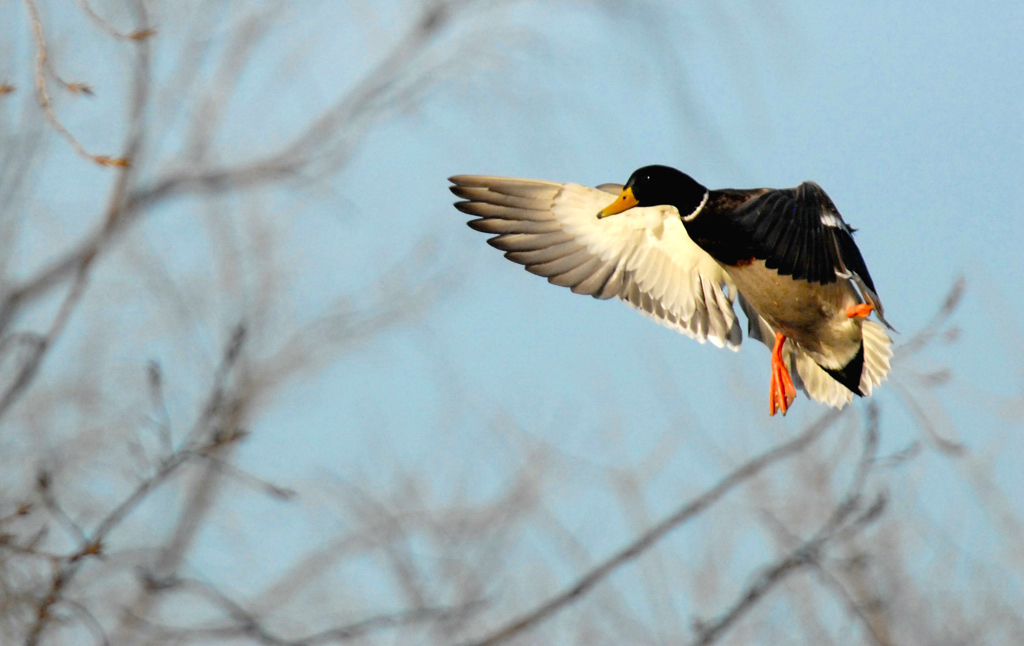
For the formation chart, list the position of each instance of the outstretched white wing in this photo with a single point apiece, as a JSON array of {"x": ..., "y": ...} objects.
[{"x": 642, "y": 256}]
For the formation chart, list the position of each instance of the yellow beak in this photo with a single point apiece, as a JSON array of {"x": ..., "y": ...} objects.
[{"x": 623, "y": 202}]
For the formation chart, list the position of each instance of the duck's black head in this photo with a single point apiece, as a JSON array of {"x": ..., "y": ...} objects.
[{"x": 658, "y": 186}]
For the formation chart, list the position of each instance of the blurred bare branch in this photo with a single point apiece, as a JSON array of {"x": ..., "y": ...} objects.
[
  {"x": 913, "y": 386},
  {"x": 138, "y": 34},
  {"x": 247, "y": 624},
  {"x": 921, "y": 338},
  {"x": 849, "y": 517},
  {"x": 649, "y": 538},
  {"x": 44, "y": 69},
  {"x": 209, "y": 437},
  {"x": 843, "y": 524}
]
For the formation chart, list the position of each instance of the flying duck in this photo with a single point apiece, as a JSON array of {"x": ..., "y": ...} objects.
[{"x": 682, "y": 254}]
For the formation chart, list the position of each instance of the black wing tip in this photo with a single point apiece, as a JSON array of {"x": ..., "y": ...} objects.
[{"x": 815, "y": 189}]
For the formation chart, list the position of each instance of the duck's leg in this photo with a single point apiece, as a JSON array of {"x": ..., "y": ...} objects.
[
  {"x": 859, "y": 311},
  {"x": 782, "y": 391}
]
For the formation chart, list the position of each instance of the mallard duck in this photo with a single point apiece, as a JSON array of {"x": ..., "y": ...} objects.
[{"x": 683, "y": 254}]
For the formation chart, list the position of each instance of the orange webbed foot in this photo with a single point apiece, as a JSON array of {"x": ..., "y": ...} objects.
[
  {"x": 782, "y": 393},
  {"x": 862, "y": 310}
]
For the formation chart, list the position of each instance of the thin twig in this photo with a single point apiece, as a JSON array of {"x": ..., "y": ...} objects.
[
  {"x": 923, "y": 336},
  {"x": 90, "y": 619},
  {"x": 256, "y": 631},
  {"x": 93, "y": 544},
  {"x": 871, "y": 627},
  {"x": 246, "y": 478},
  {"x": 137, "y": 34},
  {"x": 24, "y": 509},
  {"x": 924, "y": 422},
  {"x": 43, "y": 487},
  {"x": 215, "y": 433},
  {"x": 218, "y": 393},
  {"x": 43, "y": 94},
  {"x": 31, "y": 365},
  {"x": 155, "y": 381},
  {"x": 247, "y": 624}
]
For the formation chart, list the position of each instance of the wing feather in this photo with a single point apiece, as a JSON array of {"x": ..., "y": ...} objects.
[
  {"x": 498, "y": 225},
  {"x": 532, "y": 241},
  {"x": 800, "y": 232},
  {"x": 495, "y": 196},
  {"x": 642, "y": 256},
  {"x": 543, "y": 255},
  {"x": 554, "y": 266},
  {"x": 577, "y": 275},
  {"x": 484, "y": 209},
  {"x": 595, "y": 283}
]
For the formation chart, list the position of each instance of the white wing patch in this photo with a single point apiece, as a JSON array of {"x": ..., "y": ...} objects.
[
  {"x": 830, "y": 220},
  {"x": 642, "y": 256}
]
